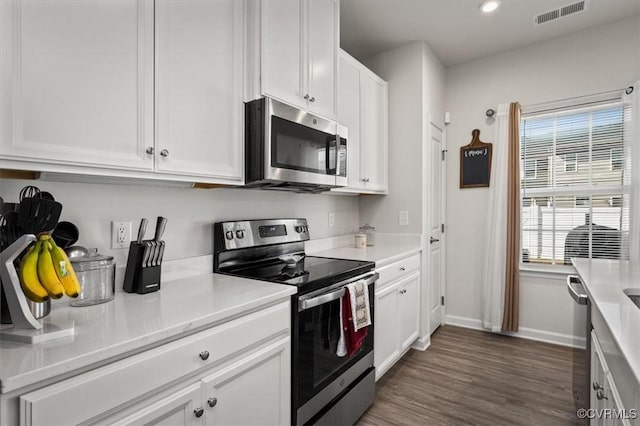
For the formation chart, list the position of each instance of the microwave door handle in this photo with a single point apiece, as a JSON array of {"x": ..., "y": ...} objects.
[
  {"x": 331, "y": 170},
  {"x": 337, "y": 151}
]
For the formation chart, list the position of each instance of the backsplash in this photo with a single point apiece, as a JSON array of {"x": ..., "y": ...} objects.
[{"x": 190, "y": 212}]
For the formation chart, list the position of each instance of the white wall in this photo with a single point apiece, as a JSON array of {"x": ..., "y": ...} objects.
[
  {"x": 190, "y": 212},
  {"x": 416, "y": 89},
  {"x": 597, "y": 60},
  {"x": 402, "y": 68}
]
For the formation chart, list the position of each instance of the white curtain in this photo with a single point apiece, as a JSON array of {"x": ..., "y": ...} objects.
[
  {"x": 495, "y": 248},
  {"x": 632, "y": 136}
]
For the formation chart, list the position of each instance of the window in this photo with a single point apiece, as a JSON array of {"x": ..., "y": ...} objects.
[
  {"x": 531, "y": 169},
  {"x": 570, "y": 163},
  {"x": 616, "y": 160},
  {"x": 570, "y": 211}
]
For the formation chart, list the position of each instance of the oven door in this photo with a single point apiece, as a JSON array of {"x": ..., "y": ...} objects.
[
  {"x": 301, "y": 147},
  {"x": 319, "y": 375}
]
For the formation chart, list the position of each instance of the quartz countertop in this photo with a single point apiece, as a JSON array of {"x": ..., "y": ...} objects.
[
  {"x": 387, "y": 249},
  {"x": 605, "y": 281},
  {"x": 132, "y": 323}
]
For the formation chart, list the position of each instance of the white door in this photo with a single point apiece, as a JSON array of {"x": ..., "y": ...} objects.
[
  {"x": 281, "y": 50},
  {"x": 409, "y": 308},
  {"x": 180, "y": 409},
  {"x": 77, "y": 82},
  {"x": 323, "y": 45},
  {"x": 386, "y": 339},
  {"x": 199, "y": 87},
  {"x": 373, "y": 137},
  {"x": 436, "y": 252},
  {"x": 252, "y": 391},
  {"x": 349, "y": 115}
]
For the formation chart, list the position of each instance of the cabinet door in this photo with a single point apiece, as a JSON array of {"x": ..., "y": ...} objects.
[
  {"x": 349, "y": 116},
  {"x": 323, "y": 36},
  {"x": 409, "y": 303},
  {"x": 76, "y": 82},
  {"x": 373, "y": 140},
  {"x": 252, "y": 391},
  {"x": 199, "y": 87},
  {"x": 282, "y": 42},
  {"x": 176, "y": 410},
  {"x": 386, "y": 344},
  {"x": 598, "y": 379}
]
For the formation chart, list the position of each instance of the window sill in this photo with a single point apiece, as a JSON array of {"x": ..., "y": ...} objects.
[{"x": 553, "y": 272}]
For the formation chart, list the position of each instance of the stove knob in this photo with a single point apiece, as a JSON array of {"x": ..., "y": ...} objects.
[
  {"x": 298, "y": 228},
  {"x": 305, "y": 228},
  {"x": 229, "y": 235},
  {"x": 240, "y": 233}
]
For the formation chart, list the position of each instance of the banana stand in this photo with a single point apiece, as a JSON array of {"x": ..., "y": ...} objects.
[{"x": 26, "y": 328}]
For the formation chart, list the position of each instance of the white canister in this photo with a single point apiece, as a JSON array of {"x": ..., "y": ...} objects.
[{"x": 361, "y": 241}]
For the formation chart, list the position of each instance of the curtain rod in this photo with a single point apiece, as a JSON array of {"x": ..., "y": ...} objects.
[{"x": 576, "y": 101}]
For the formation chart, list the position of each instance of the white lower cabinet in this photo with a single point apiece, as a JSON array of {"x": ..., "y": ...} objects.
[
  {"x": 238, "y": 372},
  {"x": 397, "y": 312},
  {"x": 605, "y": 399}
]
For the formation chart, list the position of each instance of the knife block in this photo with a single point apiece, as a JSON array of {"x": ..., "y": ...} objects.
[{"x": 137, "y": 277}]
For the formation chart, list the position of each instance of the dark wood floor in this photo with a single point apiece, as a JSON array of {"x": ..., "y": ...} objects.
[{"x": 473, "y": 377}]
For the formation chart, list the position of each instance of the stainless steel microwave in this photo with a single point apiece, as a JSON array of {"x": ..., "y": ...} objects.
[{"x": 290, "y": 149}]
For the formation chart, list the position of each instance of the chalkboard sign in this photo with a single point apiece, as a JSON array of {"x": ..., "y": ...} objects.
[{"x": 475, "y": 163}]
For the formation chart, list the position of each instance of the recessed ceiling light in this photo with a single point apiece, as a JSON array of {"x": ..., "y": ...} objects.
[{"x": 489, "y": 6}]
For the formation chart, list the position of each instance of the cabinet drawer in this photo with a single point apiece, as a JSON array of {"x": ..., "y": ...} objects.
[
  {"x": 399, "y": 269},
  {"x": 113, "y": 385}
]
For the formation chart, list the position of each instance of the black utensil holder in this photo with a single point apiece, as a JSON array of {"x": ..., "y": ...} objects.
[{"x": 137, "y": 277}]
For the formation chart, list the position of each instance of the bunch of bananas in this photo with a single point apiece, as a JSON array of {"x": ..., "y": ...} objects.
[{"x": 45, "y": 272}]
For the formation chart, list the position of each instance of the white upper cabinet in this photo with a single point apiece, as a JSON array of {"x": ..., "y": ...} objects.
[
  {"x": 363, "y": 109},
  {"x": 373, "y": 140},
  {"x": 77, "y": 82},
  {"x": 199, "y": 77},
  {"x": 298, "y": 46}
]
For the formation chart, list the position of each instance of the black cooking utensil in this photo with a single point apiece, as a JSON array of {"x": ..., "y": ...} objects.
[
  {"x": 28, "y": 191},
  {"x": 37, "y": 215},
  {"x": 65, "y": 234},
  {"x": 46, "y": 196},
  {"x": 12, "y": 230},
  {"x": 3, "y": 233}
]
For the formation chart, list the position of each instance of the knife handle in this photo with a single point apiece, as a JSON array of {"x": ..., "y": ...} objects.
[
  {"x": 161, "y": 223},
  {"x": 142, "y": 229}
]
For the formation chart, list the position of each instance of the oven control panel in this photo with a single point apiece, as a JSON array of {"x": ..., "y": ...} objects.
[{"x": 254, "y": 233}]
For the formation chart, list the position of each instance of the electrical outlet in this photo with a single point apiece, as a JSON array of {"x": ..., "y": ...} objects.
[
  {"x": 403, "y": 218},
  {"x": 120, "y": 234},
  {"x": 332, "y": 219}
]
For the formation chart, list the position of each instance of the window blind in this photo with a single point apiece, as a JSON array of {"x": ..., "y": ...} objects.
[{"x": 574, "y": 184}]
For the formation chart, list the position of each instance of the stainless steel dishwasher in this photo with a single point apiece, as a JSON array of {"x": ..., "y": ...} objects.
[{"x": 582, "y": 330}]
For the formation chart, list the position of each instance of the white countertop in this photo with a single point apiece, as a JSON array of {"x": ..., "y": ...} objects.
[
  {"x": 605, "y": 281},
  {"x": 131, "y": 323},
  {"x": 388, "y": 249}
]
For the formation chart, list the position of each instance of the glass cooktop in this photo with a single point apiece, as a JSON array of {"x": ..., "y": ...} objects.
[{"x": 311, "y": 272}]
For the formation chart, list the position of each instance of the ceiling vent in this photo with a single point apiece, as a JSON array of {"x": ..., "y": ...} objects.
[{"x": 561, "y": 12}]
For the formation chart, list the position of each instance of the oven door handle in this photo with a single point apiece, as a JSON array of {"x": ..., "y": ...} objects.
[{"x": 330, "y": 296}]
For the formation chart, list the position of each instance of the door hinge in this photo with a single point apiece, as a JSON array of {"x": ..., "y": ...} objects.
[
  {"x": 442, "y": 228},
  {"x": 444, "y": 154},
  {"x": 442, "y": 300}
]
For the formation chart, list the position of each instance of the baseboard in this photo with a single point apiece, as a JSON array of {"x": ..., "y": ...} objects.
[
  {"x": 524, "y": 332},
  {"x": 422, "y": 344}
]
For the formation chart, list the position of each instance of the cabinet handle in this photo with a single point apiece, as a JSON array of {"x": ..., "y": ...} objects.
[
  {"x": 596, "y": 386},
  {"x": 306, "y": 97},
  {"x": 402, "y": 269},
  {"x": 204, "y": 355},
  {"x": 312, "y": 99},
  {"x": 198, "y": 412},
  {"x": 150, "y": 150},
  {"x": 164, "y": 153},
  {"x": 365, "y": 179},
  {"x": 600, "y": 394},
  {"x": 212, "y": 401}
]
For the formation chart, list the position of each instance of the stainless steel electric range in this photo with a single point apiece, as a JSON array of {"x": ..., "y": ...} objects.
[{"x": 325, "y": 388}]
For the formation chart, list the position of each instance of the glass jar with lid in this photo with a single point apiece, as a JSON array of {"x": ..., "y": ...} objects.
[
  {"x": 370, "y": 232},
  {"x": 96, "y": 274}
]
